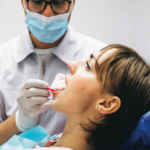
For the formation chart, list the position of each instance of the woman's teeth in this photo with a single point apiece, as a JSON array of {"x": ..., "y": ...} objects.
[{"x": 60, "y": 89}]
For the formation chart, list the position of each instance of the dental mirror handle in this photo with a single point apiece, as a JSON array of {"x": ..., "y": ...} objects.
[{"x": 50, "y": 89}]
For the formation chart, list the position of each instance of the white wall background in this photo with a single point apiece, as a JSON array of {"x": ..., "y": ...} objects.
[{"x": 111, "y": 21}]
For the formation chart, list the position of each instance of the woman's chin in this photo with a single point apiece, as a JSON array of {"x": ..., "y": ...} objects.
[
  {"x": 56, "y": 103},
  {"x": 59, "y": 100},
  {"x": 54, "y": 106}
]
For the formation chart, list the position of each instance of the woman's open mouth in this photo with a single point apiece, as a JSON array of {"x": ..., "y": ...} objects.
[
  {"x": 59, "y": 90},
  {"x": 56, "y": 92}
]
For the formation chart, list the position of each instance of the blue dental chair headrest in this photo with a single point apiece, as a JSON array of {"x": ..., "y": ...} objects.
[{"x": 139, "y": 139}]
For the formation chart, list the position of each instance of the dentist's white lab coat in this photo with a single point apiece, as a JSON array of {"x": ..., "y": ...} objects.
[{"x": 18, "y": 63}]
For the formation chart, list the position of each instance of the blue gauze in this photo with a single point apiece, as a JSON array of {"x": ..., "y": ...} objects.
[{"x": 28, "y": 139}]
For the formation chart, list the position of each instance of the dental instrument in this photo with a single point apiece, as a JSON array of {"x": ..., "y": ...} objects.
[{"x": 50, "y": 89}]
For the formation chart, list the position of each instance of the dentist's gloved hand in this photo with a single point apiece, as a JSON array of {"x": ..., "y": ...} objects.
[
  {"x": 32, "y": 100},
  {"x": 59, "y": 82}
]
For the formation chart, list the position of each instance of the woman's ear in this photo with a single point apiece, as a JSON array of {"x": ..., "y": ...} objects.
[{"x": 108, "y": 105}]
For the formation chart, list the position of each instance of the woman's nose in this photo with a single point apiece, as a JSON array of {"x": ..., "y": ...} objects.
[
  {"x": 48, "y": 11},
  {"x": 73, "y": 66}
]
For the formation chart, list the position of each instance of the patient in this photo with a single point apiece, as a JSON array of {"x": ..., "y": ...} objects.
[{"x": 104, "y": 99}]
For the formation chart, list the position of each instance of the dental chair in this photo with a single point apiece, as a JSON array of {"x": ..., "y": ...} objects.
[{"x": 139, "y": 139}]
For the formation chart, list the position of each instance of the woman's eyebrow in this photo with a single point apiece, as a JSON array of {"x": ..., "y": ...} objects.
[{"x": 92, "y": 56}]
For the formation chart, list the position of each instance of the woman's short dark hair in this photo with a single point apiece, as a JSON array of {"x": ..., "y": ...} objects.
[{"x": 125, "y": 74}]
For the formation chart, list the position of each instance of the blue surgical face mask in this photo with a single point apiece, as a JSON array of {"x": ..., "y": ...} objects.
[{"x": 47, "y": 29}]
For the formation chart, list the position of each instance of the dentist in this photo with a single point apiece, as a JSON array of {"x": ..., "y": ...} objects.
[{"x": 42, "y": 51}]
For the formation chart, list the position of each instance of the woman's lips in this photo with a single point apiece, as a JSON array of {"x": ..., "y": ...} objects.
[
  {"x": 56, "y": 92},
  {"x": 66, "y": 79}
]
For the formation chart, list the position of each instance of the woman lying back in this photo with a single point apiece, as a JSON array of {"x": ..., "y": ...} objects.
[{"x": 104, "y": 99}]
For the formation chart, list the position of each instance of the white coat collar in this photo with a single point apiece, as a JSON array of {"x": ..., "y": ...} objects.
[
  {"x": 65, "y": 50},
  {"x": 25, "y": 47},
  {"x": 68, "y": 46}
]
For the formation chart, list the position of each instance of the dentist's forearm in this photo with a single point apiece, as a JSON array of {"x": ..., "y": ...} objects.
[{"x": 7, "y": 129}]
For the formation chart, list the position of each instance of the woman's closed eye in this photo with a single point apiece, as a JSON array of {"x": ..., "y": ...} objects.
[{"x": 88, "y": 65}]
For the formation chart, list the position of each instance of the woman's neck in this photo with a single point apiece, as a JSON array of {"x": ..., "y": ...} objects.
[{"x": 74, "y": 137}]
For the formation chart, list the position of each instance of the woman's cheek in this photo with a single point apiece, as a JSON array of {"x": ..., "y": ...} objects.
[
  {"x": 78, "y": 101},
  {"x": 77, "y": 96},
  {"x": 79, "y": 82}
]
